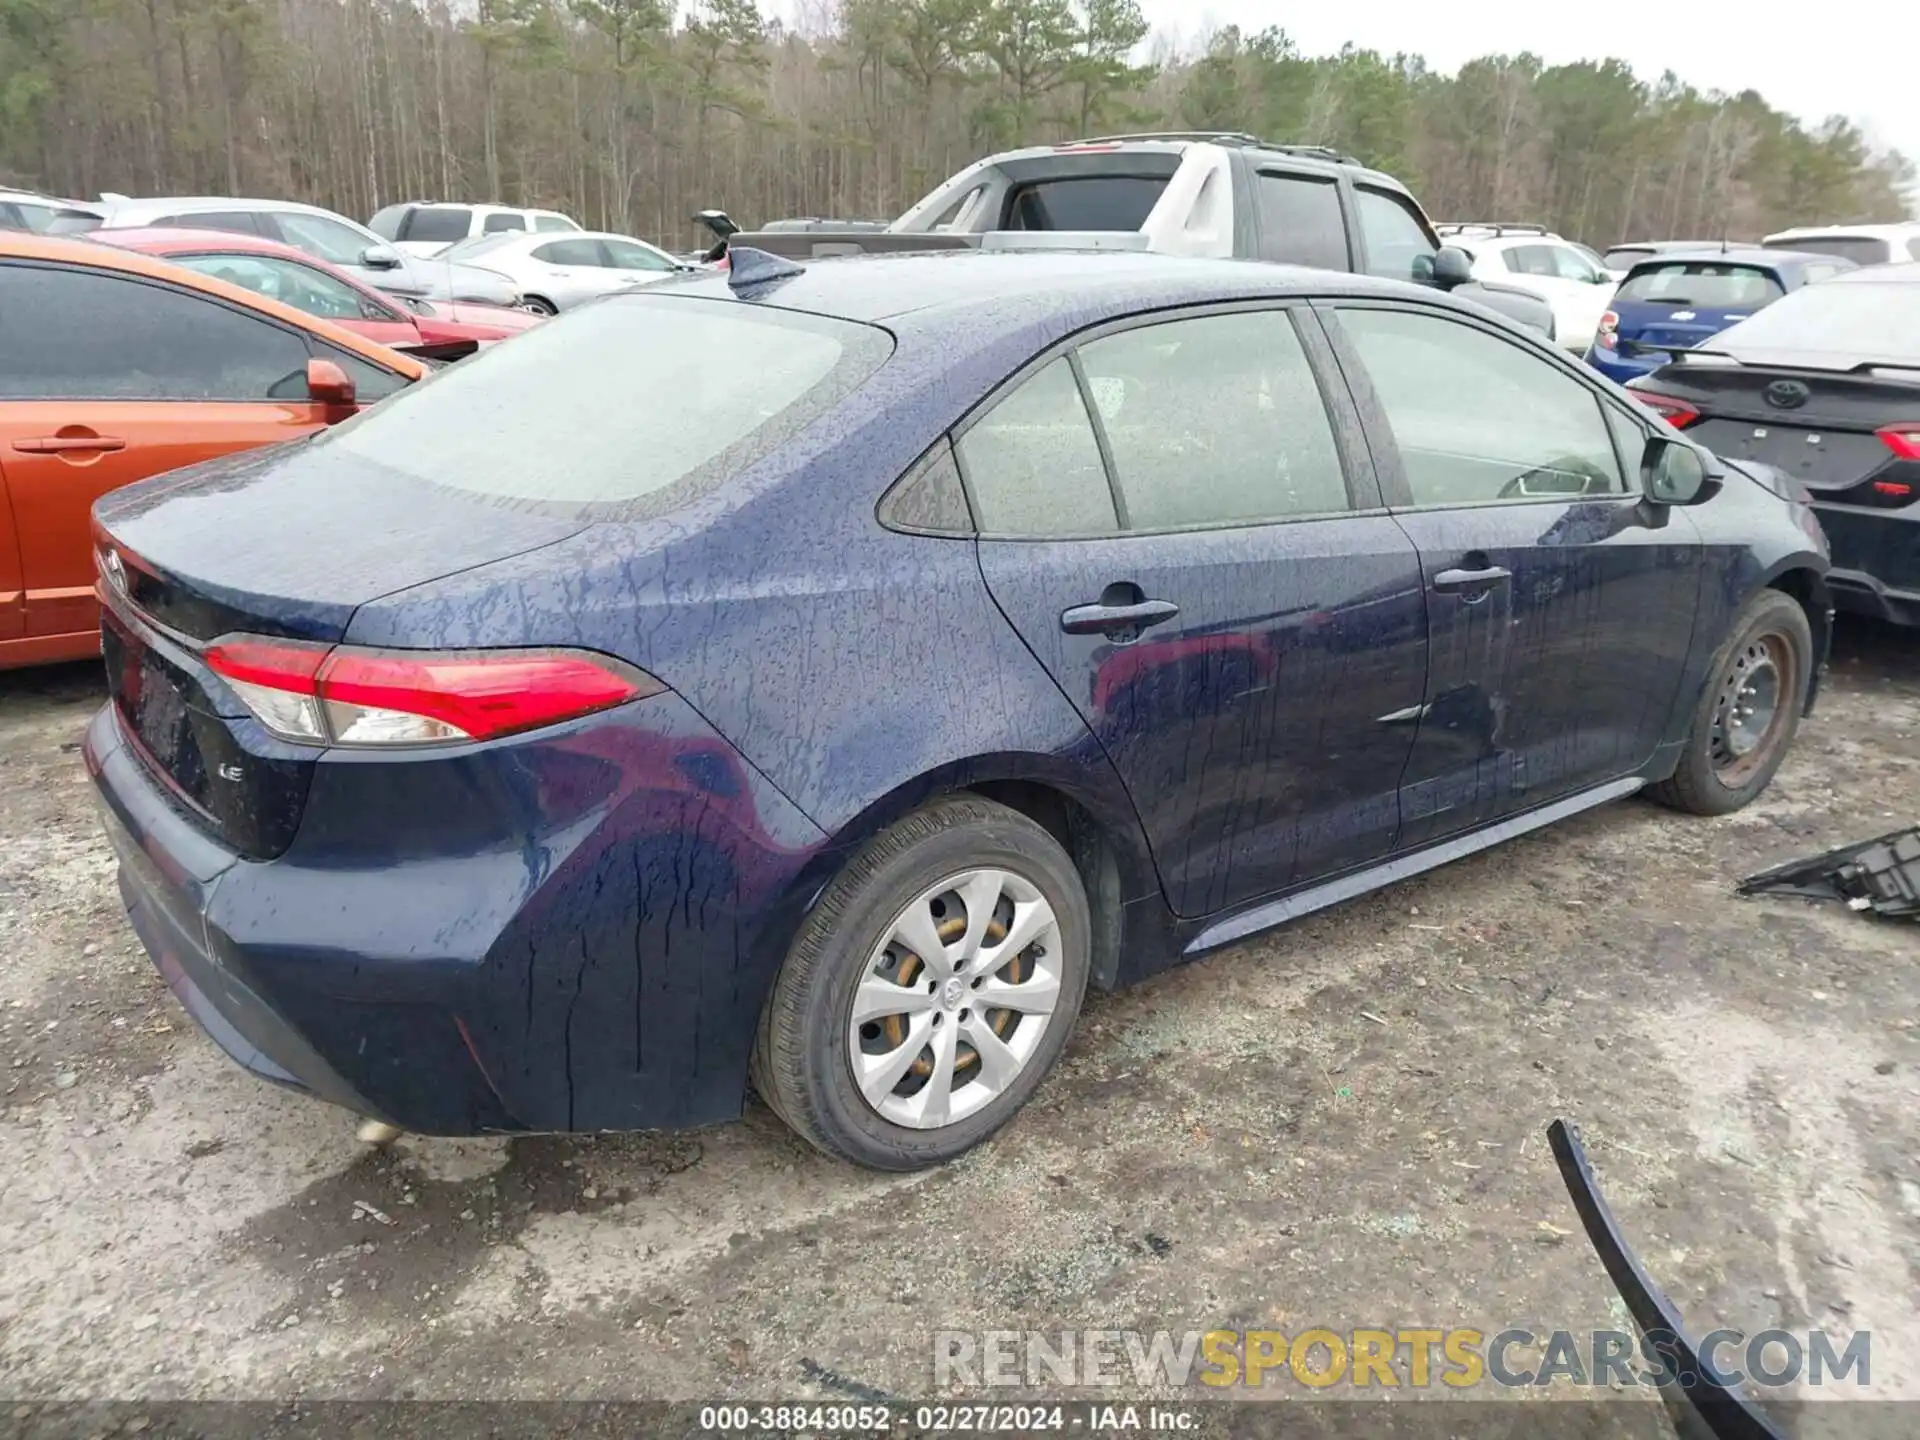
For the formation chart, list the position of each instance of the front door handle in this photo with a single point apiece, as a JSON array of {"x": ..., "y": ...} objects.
[
  {"x": 61, "y": 444},
  {"x": 1450, "y": 582},
  {"x": 1117, "y": 617}
]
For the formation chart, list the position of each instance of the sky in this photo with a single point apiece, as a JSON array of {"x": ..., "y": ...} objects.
[{"x": 1861, "y": 67}]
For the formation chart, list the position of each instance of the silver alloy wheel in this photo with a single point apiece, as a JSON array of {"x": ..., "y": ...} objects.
[{"x": 954, "y": 1000}]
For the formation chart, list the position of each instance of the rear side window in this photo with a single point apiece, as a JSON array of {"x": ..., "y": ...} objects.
[
  {"x": 436, "y": 224},
  {"x": 1398, "y": 246},
  {"x": 1034, "y": 465},
  {"x": 503, "y": 220},
  {"x": 1861, "y": 249},
  {"x": 76, "y": 334},
  {"x": 1214, "y": 421},
  {"x": 1300, "y": 221},
  {"x": 1701, "y": 285},
  {"x": 553, "y": 222},
  {"x": 1087, "y": 202},
  {"x": 569, "y": 252},
  {"x": 602, "y": 413},
  {"x": 238, "y": 221}
]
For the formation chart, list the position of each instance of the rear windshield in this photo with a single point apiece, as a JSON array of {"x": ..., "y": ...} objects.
[
  {"x": 1861, "y": 249},
  {"x": 437, "y": 223},
  {"x": 619, "y": 409},
  {"x": 1851, "y": 321},
  {"x": 1086, "y": 202},
  {"x": 1701, "y": 285}
]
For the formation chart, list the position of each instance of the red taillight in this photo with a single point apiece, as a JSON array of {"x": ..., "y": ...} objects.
[
  {"x": 1608, "y": 335},
  {"x": 1676, "y": 413},
  {"x": 1892, "y": 487},
  {"x": 345, "y": 696},
  {"x": 1902, "y": 439}
]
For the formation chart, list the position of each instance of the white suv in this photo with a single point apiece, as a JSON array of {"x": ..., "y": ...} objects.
[
  {"x": 1862, "y": 244},
  {"x": 426, "y": 229},
  {"x": 1569, "y": 277}
]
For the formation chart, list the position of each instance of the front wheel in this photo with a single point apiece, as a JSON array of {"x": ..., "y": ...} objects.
[
  {"x": 538, "y": 305},
  {"x": 1749, "y": 711},
  {"x": 930, "y": 990}
]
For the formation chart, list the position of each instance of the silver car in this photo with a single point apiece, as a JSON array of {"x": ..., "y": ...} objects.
[
  {"x": 322, "y": 234},
  {"x": 555, "y": 272}
]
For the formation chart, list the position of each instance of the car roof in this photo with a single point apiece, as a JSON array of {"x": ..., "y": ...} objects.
[
  {"x": 1904, "y": 272},
  {"x": 1313, "y": 157},
  {"x": 1899, "y": 231},
  {"x": 196, "y": 204},
  {"x": 179, "y": 240},
  {"x": 1012, "y": 287},
  {"x": 1750, "y": 255},
  {"x": 98, "y": 255}
]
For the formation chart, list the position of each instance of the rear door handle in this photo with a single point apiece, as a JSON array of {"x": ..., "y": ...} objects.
[
  {"x": 60, "y": 444},
  {"x": 1450, "y": 582},
  {"x": 1117, "y": 621}
]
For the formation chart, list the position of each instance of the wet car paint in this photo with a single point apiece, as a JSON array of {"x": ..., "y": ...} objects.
[{"x": 582, "y": 924}]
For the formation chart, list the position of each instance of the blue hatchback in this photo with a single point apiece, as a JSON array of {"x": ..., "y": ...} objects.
[
  {"x": 825, "y": 675},
  {"x": 1677, "y": 300}
]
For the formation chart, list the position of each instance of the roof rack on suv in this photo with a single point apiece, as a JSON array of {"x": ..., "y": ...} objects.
[
  {"x": 1489, "y": 227},
  {"x": 1223, "y": 137}
]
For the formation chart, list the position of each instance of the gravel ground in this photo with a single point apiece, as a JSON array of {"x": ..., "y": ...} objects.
[{"x": 1337, "y": 1124}]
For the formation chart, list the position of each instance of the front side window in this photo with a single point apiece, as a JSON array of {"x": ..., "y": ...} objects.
[
  {"x": 1214, "y": 421},
  {"x": 1398, "y": 244},
  {"x": 322, "y": 238},
  {"x": 1034, "y": 465},
  {"x": 1570, "y": 264},
  {"x": 77, "y": 334},
  {"x": 1300, "y": 222},
  {"x": 625, "y": 255},
  {"x": 1477, "y": 419}
]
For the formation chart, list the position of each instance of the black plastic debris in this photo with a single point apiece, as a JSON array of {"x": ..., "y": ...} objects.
[{"x": 1879, "y": 875}]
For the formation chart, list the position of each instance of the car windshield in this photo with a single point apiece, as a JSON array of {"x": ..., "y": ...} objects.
[
  {"x": 1861, "y": 249},
  {"x": 1854, "y": 321},
  {"x": 601, "y": 412},
  {"x": 1701, "y": 285}
]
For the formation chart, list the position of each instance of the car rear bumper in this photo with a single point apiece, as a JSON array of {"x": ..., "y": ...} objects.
[
  {"x": 1876, "y": 561},
  {"x": 607, "y": 974}
]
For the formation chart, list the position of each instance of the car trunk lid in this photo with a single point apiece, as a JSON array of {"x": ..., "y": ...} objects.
[{"x": 287, "y": 543}]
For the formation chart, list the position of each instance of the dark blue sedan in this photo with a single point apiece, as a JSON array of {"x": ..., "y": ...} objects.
[{"x": 824, "y": 676}]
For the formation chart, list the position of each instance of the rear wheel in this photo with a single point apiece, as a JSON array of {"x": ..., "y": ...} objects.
[
  {"x": 538, "y": 305},
  {"x": 1749, "y": 711},
  {"x": 930, "y": 990}
]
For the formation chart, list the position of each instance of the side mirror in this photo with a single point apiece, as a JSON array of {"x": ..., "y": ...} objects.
[
  {"x": 1452, "y": 267},
  {"x": 380, "y": 257},
  {"x": 331, "y": 388},
  {"x": 1678, "y": 473}
]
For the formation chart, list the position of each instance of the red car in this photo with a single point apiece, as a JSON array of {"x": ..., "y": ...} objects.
[{"x": 293, "y": 277}]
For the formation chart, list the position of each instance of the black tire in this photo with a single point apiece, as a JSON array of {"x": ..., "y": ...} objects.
[
  {"x": 538, "y": 305},
  {"x": 1711, "y": 779},
  {"x": 801, "y": 1062}
]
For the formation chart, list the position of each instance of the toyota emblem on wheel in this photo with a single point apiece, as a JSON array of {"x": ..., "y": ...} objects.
[{"x": 1787, "y": 394}]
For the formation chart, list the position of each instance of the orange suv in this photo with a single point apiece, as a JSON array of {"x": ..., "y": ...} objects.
[{"x": 115, "y": 366}]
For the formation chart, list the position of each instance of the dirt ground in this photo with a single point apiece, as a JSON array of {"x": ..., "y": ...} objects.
[{"x": 1339, "y": 1124}]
